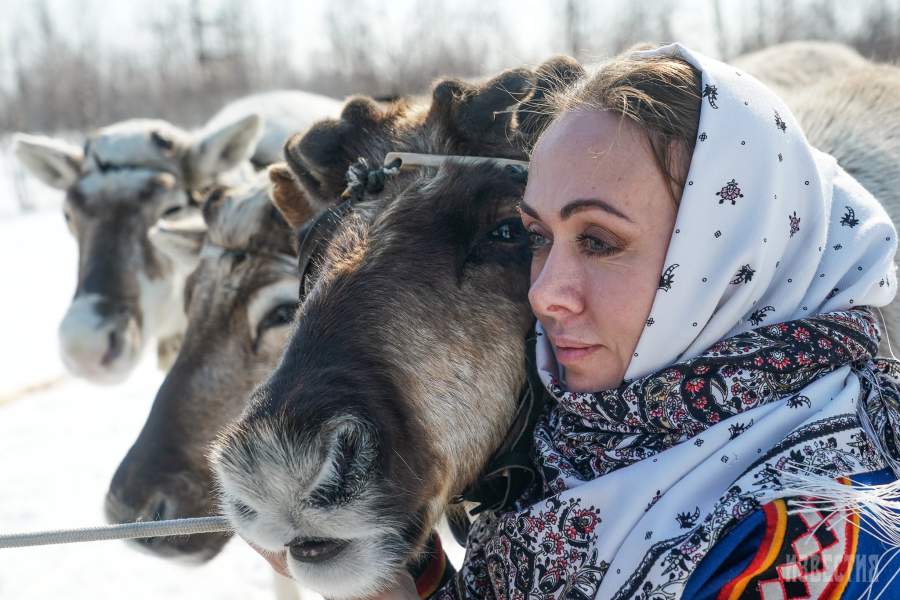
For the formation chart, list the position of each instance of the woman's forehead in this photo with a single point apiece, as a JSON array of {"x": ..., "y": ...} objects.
[{"x": 586, "y": 153}]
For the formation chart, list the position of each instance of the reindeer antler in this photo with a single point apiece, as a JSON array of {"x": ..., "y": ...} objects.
[
  {"x": 480, "y": 118},
  {"x": 552, "y": 76},
  {"x": 495, "y": 119},
  {"x": 475, "y": 110}
]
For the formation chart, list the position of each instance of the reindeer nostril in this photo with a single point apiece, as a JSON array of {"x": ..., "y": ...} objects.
[
  {"x": 351, "y": 468},
  {"x": 114, "y": 348}
]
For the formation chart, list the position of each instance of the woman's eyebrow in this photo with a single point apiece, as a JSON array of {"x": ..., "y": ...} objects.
[
  {"x": 528, "y": 210},
  {"x": 587, "y": 203}
]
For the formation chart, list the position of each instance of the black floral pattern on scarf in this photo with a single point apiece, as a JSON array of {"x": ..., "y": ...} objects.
[
  {"x": 730, "y": 192},
  {"x": 667, "y": 279},
  {"x": 849, "y": 219},
  {"x": 743, "y": 275},
  {"x": 711, "y": 93},
  {"x": 677, "y": 403},
  {"x": 779, "y": 122},
  {"x": 544, "y": 552},
  {"x": 794, "y": 221}
]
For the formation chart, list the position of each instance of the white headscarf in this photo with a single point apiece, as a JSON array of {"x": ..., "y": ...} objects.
[{"x": 768, "y": 229}]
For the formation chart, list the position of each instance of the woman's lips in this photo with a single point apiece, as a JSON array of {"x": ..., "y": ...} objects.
[{"x": 568, "y": 352}]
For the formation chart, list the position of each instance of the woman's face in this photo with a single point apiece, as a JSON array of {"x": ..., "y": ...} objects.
[{"x": 600, "y": 216}]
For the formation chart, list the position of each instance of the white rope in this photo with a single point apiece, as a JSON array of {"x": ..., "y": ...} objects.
[
  {"x": 32, "y": 388},
  {"x": 414, "y": 159},
  {"x": 124, "y": 531}
]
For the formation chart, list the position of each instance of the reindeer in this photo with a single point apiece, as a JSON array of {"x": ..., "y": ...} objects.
[
  {"x": 240, "y": 296},
  {"x": 798, "y": 64},
  {"x": 240, "y": 301},
  {"x": 127, "y": 176},
  {"x": 413, "y": 321}
]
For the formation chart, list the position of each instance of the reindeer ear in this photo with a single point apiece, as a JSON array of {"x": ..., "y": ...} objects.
[
  {"x": 222, "y": 148},
  {"x": 54, "y": 162},
  {"x": 288, "y": 197},
  {"x": 180, "y": 239},
  {"x": 553, "y": 76},
  {"x": 481, "y": 115},
  {"x": 320, "y": 157}
]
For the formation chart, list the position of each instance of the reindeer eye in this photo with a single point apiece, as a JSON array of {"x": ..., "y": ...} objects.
[
  {"x": 510, "y": 231},
  {"x": 215, "y": 195},
  {"x": 279, "y": 316},
  {"x": 162, "y": 142}
]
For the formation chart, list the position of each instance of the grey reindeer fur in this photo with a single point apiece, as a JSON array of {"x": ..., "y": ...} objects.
[{"x": 127, "y": 176}]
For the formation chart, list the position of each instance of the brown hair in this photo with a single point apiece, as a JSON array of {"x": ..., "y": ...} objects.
[{"x": 660, "y": 94}]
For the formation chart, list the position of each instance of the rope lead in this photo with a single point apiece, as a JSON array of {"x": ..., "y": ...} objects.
[{"x": 123, "y": 531}]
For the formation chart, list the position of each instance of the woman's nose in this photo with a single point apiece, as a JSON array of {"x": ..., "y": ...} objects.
[{"x": 556, "y": 289}]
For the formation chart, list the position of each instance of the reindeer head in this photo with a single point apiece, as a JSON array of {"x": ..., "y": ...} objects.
[
  {"x": 407, "y": 358},
  {"x": 128, "y": 176},
  {"x": 240, "y": 302}
]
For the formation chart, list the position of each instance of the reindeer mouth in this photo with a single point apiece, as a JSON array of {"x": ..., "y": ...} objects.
[{"x": 313, "y": 550}]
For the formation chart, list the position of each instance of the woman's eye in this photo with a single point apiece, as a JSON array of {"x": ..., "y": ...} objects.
[
  {"x": 536, "y": 241},
  {"x": 172, "y": 210},
  {"x": 593, "y": 246},
  {"x": 281, "y": 315}
]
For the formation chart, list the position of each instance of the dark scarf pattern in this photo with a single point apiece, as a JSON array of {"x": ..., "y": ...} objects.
[
  {"x": 649, "y": 415},
  {"x": 544, "y": 549}
]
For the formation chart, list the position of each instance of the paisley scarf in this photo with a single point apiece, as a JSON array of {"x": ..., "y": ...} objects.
[
  {"x": 643, "y": 480},
  {"x": 754, "y": 379}
]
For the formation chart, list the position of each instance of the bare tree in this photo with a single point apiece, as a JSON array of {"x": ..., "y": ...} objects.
[
  {"x": 203, "y": 53},
  {"x": 640, "y": 22},
  {"x": 879, "y": 35},
  {"x": 574, "y": 35}
]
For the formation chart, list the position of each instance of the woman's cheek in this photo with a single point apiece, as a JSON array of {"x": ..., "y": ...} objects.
[
  {"x": 620, "y": 300},
  {"x": 537, "y": 264}
]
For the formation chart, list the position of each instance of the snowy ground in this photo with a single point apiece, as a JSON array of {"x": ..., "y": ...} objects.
[{"x": 59, "y": 447}]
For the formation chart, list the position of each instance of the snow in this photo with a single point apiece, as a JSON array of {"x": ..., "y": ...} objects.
[{"x": 58, "y": 451}]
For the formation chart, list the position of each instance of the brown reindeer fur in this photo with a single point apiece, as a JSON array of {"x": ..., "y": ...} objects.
[{"x": 376, "y": 365}]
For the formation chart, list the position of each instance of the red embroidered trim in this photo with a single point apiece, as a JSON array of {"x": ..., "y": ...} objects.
[{"x": 769, "y": 548}]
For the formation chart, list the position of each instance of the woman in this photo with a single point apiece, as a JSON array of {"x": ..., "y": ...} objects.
[
  {"x": 698, "y": 277},
  {"x": 697, "y": 274}
]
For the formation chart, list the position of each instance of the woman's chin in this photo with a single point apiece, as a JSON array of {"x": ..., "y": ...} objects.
[{"x": 586, "y": 380}]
